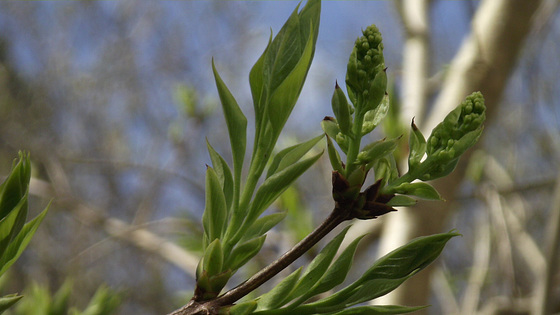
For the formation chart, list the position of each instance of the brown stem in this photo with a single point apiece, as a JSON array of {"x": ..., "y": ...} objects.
[{"x": 336, "y": 217}]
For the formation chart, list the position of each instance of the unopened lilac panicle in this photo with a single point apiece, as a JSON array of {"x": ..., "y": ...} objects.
[
  {"x": 460, "y": 129},
  {"x": 366, "y": 62}
]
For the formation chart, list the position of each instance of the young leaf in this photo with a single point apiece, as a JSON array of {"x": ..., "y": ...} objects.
[
  {"x": 214, "y": 217},
  {"x": 244, "y": 252},
  {"x": 291, "y": 155},
  {"x": 275, "y": 185},
  {"x": 223, "y": 172},
  {"x": 263, "y": 225},
  {"x": 377, "y": 150},
  {"x": 236, "y": 123},
  {"x": 401, "y": 201},
  {"x": 20, "y": 242},
  {"x": 417, "y": 146},
  {"x": 12, "y": 223},
  {"x": 341, "y": 110},
  {"x": 336, "y": 273},
  {"x": 380, "y": 310},
  {"x": 8, "y": 300},
  {"x": 15, "y": 186},
  {"x": 213, "y": 259},
  {"x": 275, "y": 298},
  {"x": 243, "y": 308},
  {"x": 334, "y": 157},
  {"x": 418, "y": 189},
  {"x": 318, "y": 266}
]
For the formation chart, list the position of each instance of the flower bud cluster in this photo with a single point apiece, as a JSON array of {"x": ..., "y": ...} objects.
[
  {"x": 459, "y": 130},
  {"x": 365, "y": 77}
]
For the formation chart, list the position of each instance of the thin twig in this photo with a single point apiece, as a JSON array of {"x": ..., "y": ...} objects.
[{"x": 211, "y": 307}]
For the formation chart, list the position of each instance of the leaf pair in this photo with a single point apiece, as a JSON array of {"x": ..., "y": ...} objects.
[{"x": 385, "y": 275}]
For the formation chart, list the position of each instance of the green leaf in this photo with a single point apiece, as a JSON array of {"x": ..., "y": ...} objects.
[
  {"x": 214, "y": 218},
  {"x": 417, "y": 147},
  {"x": 244, "y": 308},
  {"x": 213, "y": 259},
  {"x": 282, "y": 68},
  {"x": 386, "y": 274},
  {"x": 418, "y": 189},
  {"x": 263, "y": 225},
  {"x": 8, "y": 301},
  {"x": 318, "y": 266},
  {"x": 401, "y": 201},
  {"x": 374, "y": 117},
  {"x": 380, "y": 310},
  {"x": 242, "y": 253},
  {"x": 20, "y": 242},
  {"x": 15, "y": 186},
  {"x": 334, "y": 157},
  {"x": 12, "y": 223},
  {"x": 224, "y": 174},
  {"x": 337, "y": 272},
  {"x": 377, "y": 150},
  {"x": 236, "y": 123},
  {"x": 275, "y": 185},
  {"x": 284, "y": 97},
  {"x": 291, "y": 155},
  {"x": 275, "y": 298},
  {"x": 341, "y": 110}
]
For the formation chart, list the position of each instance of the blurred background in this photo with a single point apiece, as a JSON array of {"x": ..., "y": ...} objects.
[{"x": 114, "y": 100}]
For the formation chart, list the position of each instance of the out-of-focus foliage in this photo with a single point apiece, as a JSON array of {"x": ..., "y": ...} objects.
[{"x": 40, "y": 301}]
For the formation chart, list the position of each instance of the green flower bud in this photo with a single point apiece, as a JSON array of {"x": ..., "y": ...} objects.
[
  {"x": 366, "y": 80},
  {"x": 341, "y": 110}
]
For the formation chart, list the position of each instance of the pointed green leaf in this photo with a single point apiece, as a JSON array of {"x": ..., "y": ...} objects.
[
  {"x": 375, "y": 288},
  {"x": 334, "y": 157},
  {"x": 415, "y": 255},
  {"x": 416, "y": 145},
  {"x": 284, "y": 97},
  {"x": 377, "y": 150},
  {"x": 374, "y": 117},
  {"x": 385, "y": 274},
  {"x": 12, "y": 223},
  {"x": 236, "y": 123},
  {"x": 380, "y": 310},
  {"x": 418, "y": 189},
  {"x": 401, "y": 201},
  {"x": 275, "y": 297},
  {"x": 263, "y": 225},
  {"x": 318, "y": 266},
  {"x": 275, "y": 185},
  {"x": 291, "y": 155},
  {"x": 337, "y": 272},
  {"x": 8, "y": 301},
  {"x": 15, "y": 186},
  {"x": 20, "y": 242},
  {"x": 223, "y": 172},
  {"x": 243, "y": 308},
  {"x": 213, "y": 259},
  {"x": 244, "y": 252},
  {"x": 341, "y": 110},
  {"x": 214, "y": 218}
]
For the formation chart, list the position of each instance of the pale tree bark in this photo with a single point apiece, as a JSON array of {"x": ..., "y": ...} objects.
[{"x": 483, "y": 63}]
